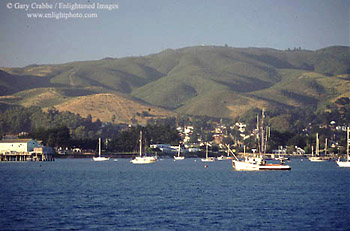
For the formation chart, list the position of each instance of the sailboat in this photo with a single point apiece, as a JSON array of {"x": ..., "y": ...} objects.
[
  {"x": 318, "y": 158},
  {"x": 346, "y": 163},
  {"x": 179, "y": 157},
  {"x": 207, "y": 158},
  {"x": 99, "y": 157},
  {"x": 143, "y": 159}
]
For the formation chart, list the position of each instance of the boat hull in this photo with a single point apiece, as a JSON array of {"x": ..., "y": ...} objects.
[
  {"x": 319, "y": 159},
  {"x": 211, "y": 159},
  {"x": 179, "y": 157},
  {"x": 100, "y": 158},
  {"x": 343, "y": 164},
  {"x": 274, "y": 167},
  {"x": 245, "y": 166},
  {"x": 256, "y": 166},
  {"x": 143, "y": 160}
]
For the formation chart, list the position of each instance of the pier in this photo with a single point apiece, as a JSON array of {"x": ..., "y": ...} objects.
[{"x": 25, "y": 156}]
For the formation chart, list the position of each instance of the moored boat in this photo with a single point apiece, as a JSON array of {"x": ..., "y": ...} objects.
[
  {"x": 317, "y": 157},
  {"x": 346, "y": 163},
  {"x": 143, "y": 159},
  {"x": 99, "y": 157},
  {"x": 207, "y": 158},
  {"x": 179, "y": 157},
  {"x": 257, "y": 162}
]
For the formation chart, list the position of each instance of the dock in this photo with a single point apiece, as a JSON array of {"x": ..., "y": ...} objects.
[{"x": 25, "y": 156}]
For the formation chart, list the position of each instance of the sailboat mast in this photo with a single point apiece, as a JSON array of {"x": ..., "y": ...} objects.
[
  {"x": 99, "y": 147},
  {"x": 317, "y": 145},
  {"x": 140, "y": 143},
  {"x": 347, "y": 143},
  {"x": 228, "y": 150},
  {"x": 262, "y": 132},
  {"x": 178, "y": 152},
  {"x": 206, "y": 151},
  {"x": 258, "y": 132}
]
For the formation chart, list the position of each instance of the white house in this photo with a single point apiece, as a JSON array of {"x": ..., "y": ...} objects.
[{"x": 18, "y": 145}]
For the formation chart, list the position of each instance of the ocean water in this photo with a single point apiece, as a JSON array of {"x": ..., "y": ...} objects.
[{"x": 79, "y": 194}]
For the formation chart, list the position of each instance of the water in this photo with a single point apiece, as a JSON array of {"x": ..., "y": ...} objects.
[{"x": 80, "y": 194}]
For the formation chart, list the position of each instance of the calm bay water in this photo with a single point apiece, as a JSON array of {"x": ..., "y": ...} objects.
[{"x": 79, "y": 194}]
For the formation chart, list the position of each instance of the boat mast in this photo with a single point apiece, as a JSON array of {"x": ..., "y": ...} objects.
[
  {"x": 258, "y": 133},
  {"x": 325, "y": 147},
  {"x": 99, "y": 147},
  {"x": 206, "y": 151},
  {"x": 140, "y": 143},
  {"x": 317, "y": 145},
  {"x": 178, "y": 153},
  {"x": 347, "y": 143},
  {"x": 262, "y": 131}
]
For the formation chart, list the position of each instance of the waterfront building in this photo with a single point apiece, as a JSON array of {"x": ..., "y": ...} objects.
[
  {"x": 24, "y": 150},
  {"x": 18, "y": 145}
]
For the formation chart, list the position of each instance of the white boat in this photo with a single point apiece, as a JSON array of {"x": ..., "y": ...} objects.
[
  {"x": 317, "y": 157},
  {"x": 99, "y": 157},
  {"x": 346, "y": 163},
  {"x": 143, "y": 159},
  {"x": 257, "y": 163},
  {"x": 248, "y": 164},
  {"x": 179, "y": 157},
  {"x": 207, "y": 158}
]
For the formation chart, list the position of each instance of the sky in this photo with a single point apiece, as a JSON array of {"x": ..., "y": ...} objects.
[{"x": 143, "y": 27}]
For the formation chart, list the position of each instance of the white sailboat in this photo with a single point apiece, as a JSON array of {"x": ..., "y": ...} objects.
[
  {"x": 179, "y": 157},
  {"x": 142, "y": 159},
  {"x": 346, "y": 163},
  {"x": 207, "y": 158},
  {"x": 99, "y": 157},
  {"x": 317, "y": 157}
]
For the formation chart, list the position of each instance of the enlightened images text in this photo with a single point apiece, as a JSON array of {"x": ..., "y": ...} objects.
[
  {"x": 92, "y": 6},
  {"x": 62, "y": 6}
]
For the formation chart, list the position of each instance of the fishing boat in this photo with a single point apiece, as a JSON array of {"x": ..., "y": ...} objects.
[
  {"x": 248, "y": 164},
  {"x": 207, "y": 158},
  {"x": 346, "y": 163},
  {"x": 99, "y": 157},
  {"x": 143, "y": 159},
  {"x": 257, "y": 162},
  {"x": 179, "y": 157}
]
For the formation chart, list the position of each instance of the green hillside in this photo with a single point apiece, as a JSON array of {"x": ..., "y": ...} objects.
[{"x": 204, "y": 80}]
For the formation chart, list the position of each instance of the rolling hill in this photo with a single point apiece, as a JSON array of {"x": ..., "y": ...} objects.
[{"x": 205, "y": 80}]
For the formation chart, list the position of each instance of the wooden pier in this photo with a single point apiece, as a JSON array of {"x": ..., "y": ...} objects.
[{"x": 25, "y": 156}]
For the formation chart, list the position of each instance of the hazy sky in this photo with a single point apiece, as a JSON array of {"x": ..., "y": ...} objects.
[{"x": 142, "y": 27}]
